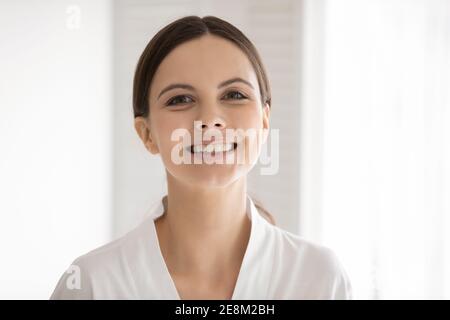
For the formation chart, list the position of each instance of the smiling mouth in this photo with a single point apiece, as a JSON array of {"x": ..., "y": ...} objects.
[{"x": 213, "y": 148}]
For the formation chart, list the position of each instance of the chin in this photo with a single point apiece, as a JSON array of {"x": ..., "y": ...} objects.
[{"x": 210, "y": 176}]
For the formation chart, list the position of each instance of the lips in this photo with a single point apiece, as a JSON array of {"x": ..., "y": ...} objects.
[{"x": 215, "y": 147}]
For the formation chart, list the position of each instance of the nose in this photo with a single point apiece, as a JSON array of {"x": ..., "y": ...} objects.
[
  {"x": 210, "y": 124},
  {"x": 210, "y": 121}
]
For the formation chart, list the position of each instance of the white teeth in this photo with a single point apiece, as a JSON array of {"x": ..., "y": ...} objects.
[
  {"x": 213, "y": 148},
  {"x": 198, "y": 149}
]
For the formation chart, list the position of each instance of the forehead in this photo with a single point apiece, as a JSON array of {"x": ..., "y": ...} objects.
[{"x": 202, "y": 62}]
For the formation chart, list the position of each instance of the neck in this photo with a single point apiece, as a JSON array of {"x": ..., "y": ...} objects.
[{"x": 205, "y": 231}]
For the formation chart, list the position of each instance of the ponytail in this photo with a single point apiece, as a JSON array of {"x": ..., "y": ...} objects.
[{"x": 263, "y": 211}]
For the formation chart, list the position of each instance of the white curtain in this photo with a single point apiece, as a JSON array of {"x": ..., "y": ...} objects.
[{"x": 377, "y": 86}]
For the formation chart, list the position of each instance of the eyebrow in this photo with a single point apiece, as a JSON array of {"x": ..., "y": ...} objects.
[{"x": 189, "y": 87}]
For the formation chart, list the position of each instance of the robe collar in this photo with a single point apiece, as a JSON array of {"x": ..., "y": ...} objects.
[{"x": 256, "y": 268}]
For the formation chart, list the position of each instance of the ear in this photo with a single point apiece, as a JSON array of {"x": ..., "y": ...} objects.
[
  {"x": 266, "y": 121},
  {"x": 142, "y": 127}
]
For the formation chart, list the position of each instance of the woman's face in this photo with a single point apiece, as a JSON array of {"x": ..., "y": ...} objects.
[{"x": 204, "y": 64}]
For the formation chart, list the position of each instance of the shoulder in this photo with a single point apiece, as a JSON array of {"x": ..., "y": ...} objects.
[
  {"x": 107, "y": 256},
  {"x": 100, "y": 265},
  {"x": 315, "y": 270},
  {"x": 310, "y": 252}
]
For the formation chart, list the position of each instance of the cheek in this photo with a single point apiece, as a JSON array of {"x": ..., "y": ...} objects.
[
  {"x": 168, "y": 127},
  {"x": 247, "y": 118},
  {"x": 251, "y": 121}
]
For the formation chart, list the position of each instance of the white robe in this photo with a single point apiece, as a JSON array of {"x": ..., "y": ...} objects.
[{"x": 277, "y": 265}]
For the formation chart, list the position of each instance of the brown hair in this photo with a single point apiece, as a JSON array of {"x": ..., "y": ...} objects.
[{"x": 183, "y": 30}]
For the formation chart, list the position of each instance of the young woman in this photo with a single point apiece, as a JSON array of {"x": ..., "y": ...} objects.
[{"x": 206, "y": 238}]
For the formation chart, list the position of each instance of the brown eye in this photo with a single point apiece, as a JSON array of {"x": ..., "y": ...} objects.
[
  {"x": 178, "y": 100},
  {"x": 235, "y": 95}
]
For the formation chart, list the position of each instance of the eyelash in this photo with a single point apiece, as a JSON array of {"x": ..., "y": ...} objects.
[{"x": 169, "y": 103}]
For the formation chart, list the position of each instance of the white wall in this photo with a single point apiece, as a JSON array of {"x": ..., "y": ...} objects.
[{"x": 55, "y": 139}]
